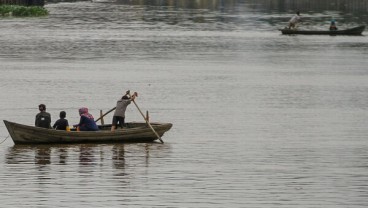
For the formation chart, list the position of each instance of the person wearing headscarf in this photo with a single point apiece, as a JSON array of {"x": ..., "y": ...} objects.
[
  {"x": 43, "y": 118},
  {"x": 87, "y": 122}
]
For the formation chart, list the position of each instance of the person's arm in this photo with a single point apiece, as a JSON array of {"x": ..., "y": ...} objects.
[
  {"x": 36, "y": 120},
  {"x": 55, "y": 124},
  {"x": 133, "y": 97},
  {"x": 49, "y": 120},
  {"x": 80, "y": 122},
  {"x": 135, "y": 94}
]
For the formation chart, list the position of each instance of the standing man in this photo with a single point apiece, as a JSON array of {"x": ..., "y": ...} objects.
[
  {"x": 121, "y": 105},
  {"x": 43, "y": 118},
  {"x": 294, "y": 20}
]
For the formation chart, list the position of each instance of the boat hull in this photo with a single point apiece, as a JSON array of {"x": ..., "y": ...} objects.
[
  {"x": 352, "y": 31},
  {"x": 134, "y": 132}
]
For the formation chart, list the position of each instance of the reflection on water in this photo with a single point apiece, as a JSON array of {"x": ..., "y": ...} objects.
[
  {"x": 63, "y": 154},
  {"x": 87, "y": 154},
  {"x": 42, "y": 155},
  {"x": 58, "y": 171},
  {"x": 118, "y": 156}
]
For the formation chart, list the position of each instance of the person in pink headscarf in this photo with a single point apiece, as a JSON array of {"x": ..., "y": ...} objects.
[{"x": 87, "y": 122}]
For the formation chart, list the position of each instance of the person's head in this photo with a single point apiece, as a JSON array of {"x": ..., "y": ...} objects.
[
  {"x": 83, "y": 110},
  {"x": 125, "y": 97},
  {"x": 298, "y": 13},
  {"x": 42, "y": 107},
  {"x": 62, "y": 114},
  {"x": 333, "y": 22}
]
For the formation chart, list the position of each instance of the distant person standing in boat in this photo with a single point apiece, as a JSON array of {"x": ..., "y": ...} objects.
[
  {"x": 294, "y": 20},
  {"x": 333, "y": 25},
  {"x": 121, "y": 105},
  {"x": 43, "y": 118},
  {"x": 62, "y": 123},
  {"x": 87, "y": 122}
]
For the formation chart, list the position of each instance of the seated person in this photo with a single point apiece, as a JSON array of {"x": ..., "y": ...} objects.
[
  {"x": 87, "y": 122},
  {"x": 333, "y": 25},
  {"x": 43, "y": 118},
  {"x": 62, "y": 123}
]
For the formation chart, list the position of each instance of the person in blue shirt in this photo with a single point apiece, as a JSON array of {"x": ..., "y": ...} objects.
[
  {"x": 333, "y": 25},
  {"x": 62, "y": 123},
  {"x": 87, "y": 122}
]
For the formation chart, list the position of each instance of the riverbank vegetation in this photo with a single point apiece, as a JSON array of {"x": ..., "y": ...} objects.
[{"x": 22, "y": 11}]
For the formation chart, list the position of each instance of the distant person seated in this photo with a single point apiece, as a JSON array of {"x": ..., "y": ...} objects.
[
  {"x": 333, "y": 25},
  {"x": 62, "y": 123},
  {"x": 294, "y": 21},
  {"x": 43, "y": 119},
  {"x": 87, "y": 122}
]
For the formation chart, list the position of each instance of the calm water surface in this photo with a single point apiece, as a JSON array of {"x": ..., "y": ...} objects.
[{"x": 260, "y": 119}]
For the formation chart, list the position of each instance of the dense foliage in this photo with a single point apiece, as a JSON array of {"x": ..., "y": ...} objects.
[{"x": 22, "y": 11}]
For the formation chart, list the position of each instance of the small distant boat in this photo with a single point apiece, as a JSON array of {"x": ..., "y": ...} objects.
[
  {"x": 133, "y": 132},
  {"x": 351, "y": 31}
]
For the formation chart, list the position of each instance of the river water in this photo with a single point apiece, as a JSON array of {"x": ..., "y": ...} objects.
[{"x": 259, "y": 119}]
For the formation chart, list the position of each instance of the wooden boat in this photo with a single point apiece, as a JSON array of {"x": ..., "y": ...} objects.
[
  {"x": 351, "y": 31},
  {"x": 133, "y": 132}
]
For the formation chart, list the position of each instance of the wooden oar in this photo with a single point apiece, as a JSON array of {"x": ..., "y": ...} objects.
[
  {"x": 158, "y": 136},
  {"x": 105, "y": 114}
]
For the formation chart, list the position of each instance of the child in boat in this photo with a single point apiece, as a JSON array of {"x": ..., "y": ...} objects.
[
  {"x": 62, "y": 123},
  {"x": 333, "y": 25}
]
